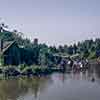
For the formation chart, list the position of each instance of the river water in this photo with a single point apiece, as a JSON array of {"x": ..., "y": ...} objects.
[{"x": 57, "y": 86}]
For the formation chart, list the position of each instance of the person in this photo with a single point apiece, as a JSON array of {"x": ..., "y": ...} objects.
[
  {"x": 80, "y": 65},
  {"x": 75, "y": 64},
  {"x": 93, "y": 79},
  {"x": 63, "y": 64}
]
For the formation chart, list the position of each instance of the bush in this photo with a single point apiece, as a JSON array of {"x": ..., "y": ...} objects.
[
  {"x": 22, "y": 67},
  {"x": 92, "y": 55}
]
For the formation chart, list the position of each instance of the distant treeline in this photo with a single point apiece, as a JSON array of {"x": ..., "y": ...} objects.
[{"x": 35, "y": 53}]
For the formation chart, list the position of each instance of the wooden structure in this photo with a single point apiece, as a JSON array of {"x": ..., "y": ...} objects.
[{"x": 9, "y": 53}]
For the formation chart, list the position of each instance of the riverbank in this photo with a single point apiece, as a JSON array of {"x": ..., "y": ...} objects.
[
  {"x": 16, "y": 71},
  {"x": 35, "y": 70}
]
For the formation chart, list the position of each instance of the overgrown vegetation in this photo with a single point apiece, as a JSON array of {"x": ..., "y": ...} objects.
[{"x": 42, "y": 54}]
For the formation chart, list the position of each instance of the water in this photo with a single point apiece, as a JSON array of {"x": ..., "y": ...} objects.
[{"x": 73, "y": 86}]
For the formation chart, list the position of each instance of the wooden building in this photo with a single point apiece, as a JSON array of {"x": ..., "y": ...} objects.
[{"x": 9, "y": 53}]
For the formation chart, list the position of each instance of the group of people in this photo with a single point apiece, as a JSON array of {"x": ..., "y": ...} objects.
[{"x": 78, "y": 64}]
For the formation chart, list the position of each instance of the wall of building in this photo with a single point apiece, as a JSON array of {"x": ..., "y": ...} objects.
[{"x": 12, "y": 55}]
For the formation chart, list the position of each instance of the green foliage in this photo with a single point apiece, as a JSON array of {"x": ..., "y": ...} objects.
[
  {"x": 70, "y": 50},
  {"x": 21, "y": 67},
  {"x": 86, "y": 53},
  {"x": 92, "y": 55},
  {"x": 41, "y": 54}
]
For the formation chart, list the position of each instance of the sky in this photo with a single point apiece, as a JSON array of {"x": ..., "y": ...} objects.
[{"x": 54, "y": 22}]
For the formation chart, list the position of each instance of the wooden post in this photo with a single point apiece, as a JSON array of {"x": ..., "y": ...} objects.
[{"x": 1, "y": 60}]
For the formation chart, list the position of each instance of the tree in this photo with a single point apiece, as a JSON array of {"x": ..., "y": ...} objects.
[
  {"x": 65, "y": 48},
  {"x": 75, "y": 48},
  {"x": 86, "y": 53},
  {"x": 70, "y": 50},
  {"x": 61, "y": 49}
]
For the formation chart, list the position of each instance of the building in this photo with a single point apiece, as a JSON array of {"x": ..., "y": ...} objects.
[{"x": 9, "y": 53}]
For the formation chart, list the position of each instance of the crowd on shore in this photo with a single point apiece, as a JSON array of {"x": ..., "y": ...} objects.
[{"x": 79, "y": 64}]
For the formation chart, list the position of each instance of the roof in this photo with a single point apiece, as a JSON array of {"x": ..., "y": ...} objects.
[{"x": 7, "y": 45}]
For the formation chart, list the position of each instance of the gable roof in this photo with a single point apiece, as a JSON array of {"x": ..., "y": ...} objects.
[{"x": 6, "y": 46}]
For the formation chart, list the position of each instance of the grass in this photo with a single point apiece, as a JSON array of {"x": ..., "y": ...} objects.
[
  {"x": 26, "y": 70},
  {"x": 92, "y": 55}
]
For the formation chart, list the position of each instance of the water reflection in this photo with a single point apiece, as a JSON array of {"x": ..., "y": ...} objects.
[
  {"x": 14, "y": 88},
  {"x": 55, "y": 85}
]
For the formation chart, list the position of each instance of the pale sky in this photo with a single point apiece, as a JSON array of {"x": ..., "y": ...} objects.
[{"x": 53, "y": 21}]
